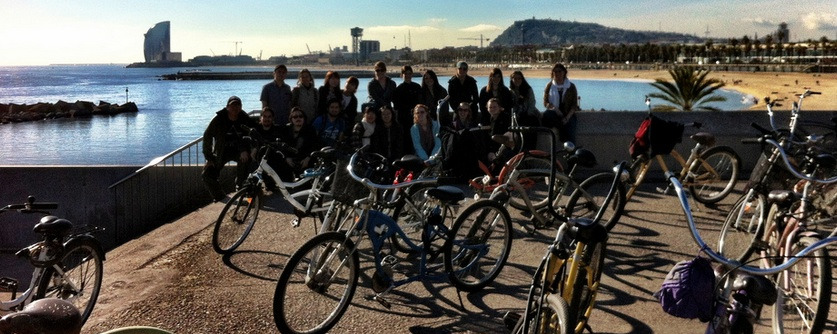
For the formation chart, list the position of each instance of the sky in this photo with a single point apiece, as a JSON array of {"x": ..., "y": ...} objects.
[{"x": 46, "y": 32}]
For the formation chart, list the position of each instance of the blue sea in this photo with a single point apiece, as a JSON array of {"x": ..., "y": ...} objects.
[{"x": 173, "y": 113}]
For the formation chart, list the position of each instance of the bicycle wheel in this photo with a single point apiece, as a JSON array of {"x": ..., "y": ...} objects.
[
  {"x": 590, "y": 195},
  {"x": 479, "y": 246},
  {"x": 804, "y": 291},
  {"x": 555, "y": 317},
  {"x": 410, "y": 215},
  {"x": 533, "y": 175},
  {"x": 586, "y": 285},
  {"x": 713, "y": 175},
  {"x": 236, "y": 220},
  {"x": 639, "y": 168},
  {"x": 81, "y": 279},
  {"x": 316, "y": 285},
  {"x": 337, "y": 218},
  {"x": 743, "y": 226}
]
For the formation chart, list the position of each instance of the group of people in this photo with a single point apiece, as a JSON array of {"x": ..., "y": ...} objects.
[{"x": 397, "y": 119}]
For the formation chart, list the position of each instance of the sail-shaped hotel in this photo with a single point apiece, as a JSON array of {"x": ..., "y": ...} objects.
[{"x": 157, "y": 47}]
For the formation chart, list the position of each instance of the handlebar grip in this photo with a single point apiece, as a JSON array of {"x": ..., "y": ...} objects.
[{"x": 814, "y": 93}]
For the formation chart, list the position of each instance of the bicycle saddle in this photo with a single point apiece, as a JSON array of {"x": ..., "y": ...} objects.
[
  {"x": 409, "y": 162},
  {"x": 447, "y": 194},
  {"x": 825, "y": 160},
  {"x": 783, "y": 197},
  {"x": 43, "y": 316},
  {"x": 759, "y": 288},
  {"x": 583, "y": 158},
  {"x": 587, "y": 231},
  {"x": 325, "y": 154},
  {"x": 53, "y": 225},
  {"x": 704, "y": 138}
]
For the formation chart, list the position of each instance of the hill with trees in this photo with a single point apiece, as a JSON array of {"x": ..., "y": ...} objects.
[{"x": 557, "y": 32}]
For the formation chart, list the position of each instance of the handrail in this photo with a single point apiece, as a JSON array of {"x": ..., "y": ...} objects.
[{"x": 157, "y": 160}]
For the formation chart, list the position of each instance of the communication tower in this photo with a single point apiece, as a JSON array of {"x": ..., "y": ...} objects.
[{"x": 357, "y": 33}]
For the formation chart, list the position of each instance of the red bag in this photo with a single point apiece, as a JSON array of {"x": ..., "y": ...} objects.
[{"x": 640, "y": 143}]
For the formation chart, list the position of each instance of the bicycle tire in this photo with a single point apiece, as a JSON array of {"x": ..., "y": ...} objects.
[
  {"x": 485, "y": 223},
  {"x": 799, "y": 310},
  {"x": 639, "y": 168},
  {"x": 714, "y": 174},
  {"x": 82, "y": 279},
  {"x": 586, "y": 200},
  {"x": 411, "y": 221},
  {"x": 236, "y": 220},
  {"x": 743, "y": 226},
  {"x": 337, "y": 217},
  {"x": 533, "y": 175},
  {"x": 586, "y": 285},
  {"x": 300, "y": 298}
]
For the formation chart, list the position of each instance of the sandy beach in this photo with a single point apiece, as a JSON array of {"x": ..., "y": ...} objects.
[{"x": 758, "y": 84}]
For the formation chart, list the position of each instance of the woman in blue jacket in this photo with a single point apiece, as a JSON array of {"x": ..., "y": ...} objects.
[{"x": 424, "y": 133}]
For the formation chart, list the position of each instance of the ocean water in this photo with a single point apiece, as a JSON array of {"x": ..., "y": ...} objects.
[{"x": 173, "y": 113}]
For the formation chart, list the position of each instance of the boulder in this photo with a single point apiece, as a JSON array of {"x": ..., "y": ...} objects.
[
  {"x": 63, "y": 106},
  {"x": 17, "y": 108},
  {"x": 42, "y": 108}
]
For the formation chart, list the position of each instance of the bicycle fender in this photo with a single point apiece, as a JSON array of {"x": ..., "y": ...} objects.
[{"x": 88, "y": 238}]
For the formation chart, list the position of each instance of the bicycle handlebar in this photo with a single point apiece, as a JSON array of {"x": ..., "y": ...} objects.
[
  {"x": 372, "y": 185},
  {"x": 790, "y": 166},
  {"x": 30, "y": 206},
  {"x": 734, "y": 264}
]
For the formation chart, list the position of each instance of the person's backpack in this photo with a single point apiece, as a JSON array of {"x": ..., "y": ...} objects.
[{"x": 688, "y": 290}]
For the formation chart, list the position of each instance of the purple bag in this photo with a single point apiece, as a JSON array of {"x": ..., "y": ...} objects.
[{"x": 689, "y": 290}]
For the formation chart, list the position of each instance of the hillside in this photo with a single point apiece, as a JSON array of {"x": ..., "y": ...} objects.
[{"x": 556, "y": 32}]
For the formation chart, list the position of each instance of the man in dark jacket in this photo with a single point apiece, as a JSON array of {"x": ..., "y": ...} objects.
[
  {"x": 223, "y": 142},
  {"x": 463, "y": 88}
]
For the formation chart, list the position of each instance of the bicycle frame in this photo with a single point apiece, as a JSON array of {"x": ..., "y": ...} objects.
[
  {"x": 27, "y": 296},
  {"x": 312, "y": 195}
]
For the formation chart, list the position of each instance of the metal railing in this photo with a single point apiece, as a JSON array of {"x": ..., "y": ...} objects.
[{"x": 166, "y": 188}]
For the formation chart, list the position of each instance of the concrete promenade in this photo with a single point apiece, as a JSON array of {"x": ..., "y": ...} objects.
[{"x": 172, "y": 279}]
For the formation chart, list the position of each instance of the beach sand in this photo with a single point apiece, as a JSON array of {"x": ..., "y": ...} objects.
[{"x": 757, "y": 84}]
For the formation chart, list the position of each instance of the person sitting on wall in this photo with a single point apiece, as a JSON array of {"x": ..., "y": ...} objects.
[{"x": 223, "y": 142}]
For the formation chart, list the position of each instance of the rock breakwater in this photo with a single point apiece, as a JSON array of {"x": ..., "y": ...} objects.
[{"x": 13, "y": 113}]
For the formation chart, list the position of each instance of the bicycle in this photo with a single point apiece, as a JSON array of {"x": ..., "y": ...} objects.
[
  {"x": 742, "y": 289},
  {"x": 325, "y": 269},
  {"x": 710, "y": 171},
  {"x": 68, "y": 263},
  {"x": 563, "y": 291},
  {"x": 240, "y": 213},
  {"x": 743, "y": 226},
  {"x": 791, "y": 225},
  {"x": 526, "y": 178}
]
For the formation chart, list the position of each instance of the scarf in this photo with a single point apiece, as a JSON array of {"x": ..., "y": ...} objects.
[
  {"x": 368, "y": 130},
  {"x": 556, "y": 91}
]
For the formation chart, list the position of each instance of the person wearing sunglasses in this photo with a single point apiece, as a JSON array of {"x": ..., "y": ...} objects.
[
  {"x": 299, "y": 134},
  {"x": 382, "y": 88}
]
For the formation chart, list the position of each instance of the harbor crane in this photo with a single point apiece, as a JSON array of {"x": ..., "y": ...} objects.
[
  {"x": 481, "y": 39},
  {"x": 237, "y": 52}
]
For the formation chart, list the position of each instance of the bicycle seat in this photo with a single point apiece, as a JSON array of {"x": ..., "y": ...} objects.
[
  {"x": 447, "y": 194},
  {"x": 409, "y": 162},
  {"x": 53, "y": 225},
  {"x": 704, "y": 138},
  {"x": 582, "y": 157},
  {"x": 47, "y": 316},
  {"x": 783, "y": 197},
  {"x": 585, "y": 230},
  {"x": 759, "y": 288},
  {"x": 325, "y": 154}
]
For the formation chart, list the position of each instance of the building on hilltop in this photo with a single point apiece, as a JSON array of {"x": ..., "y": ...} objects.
[{"x": 157, "y": 46}]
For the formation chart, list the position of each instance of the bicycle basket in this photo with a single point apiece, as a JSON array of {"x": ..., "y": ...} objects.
[
  {"x": 688, "y": 290},
  {"x": 663, "y": 135},
  {"x": 371, "y": 166}
]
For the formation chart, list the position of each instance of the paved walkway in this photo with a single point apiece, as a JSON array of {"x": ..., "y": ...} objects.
[{"x": 172, "y": 279}]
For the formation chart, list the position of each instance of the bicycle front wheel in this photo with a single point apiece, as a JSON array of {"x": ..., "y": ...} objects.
[
  {"x": 532, "y": 174},
  {"x": 591, "y": 194},
  {"x": 236, "y": 220},
  {"x": 316, "y": 285},
  {"x": 714, "y": 174},
  {"x": 547, "y": 312},
  {"x": 586, "y": 285},
  {"x": 479, "y": 246},
  {"x": 804, "y": 292},
  {"x": 81, "y": 279},
  {"x": 743, "y": 226}
]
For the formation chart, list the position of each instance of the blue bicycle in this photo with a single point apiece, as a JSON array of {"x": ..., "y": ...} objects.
[{"x": 320, "y": 279}]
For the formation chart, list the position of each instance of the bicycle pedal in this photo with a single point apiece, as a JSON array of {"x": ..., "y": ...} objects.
[
  {"x": 510, "y": 319},
  {"x": 382, "y": 301},
  {"x": 296, "y": 222},
  {"x": 663, "y": 190}
]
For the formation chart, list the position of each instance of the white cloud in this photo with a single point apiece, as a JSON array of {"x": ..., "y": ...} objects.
[
  {"x": 482, "y": 28},
  {"x": 761, "y": 22},
  {"x": 437, "y": 20},
  {"x": 389, "y": 29},
  {"x": 824, "y": 21}
]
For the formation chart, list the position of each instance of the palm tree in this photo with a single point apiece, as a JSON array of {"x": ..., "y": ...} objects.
[{"x": 689, "y": 91}]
